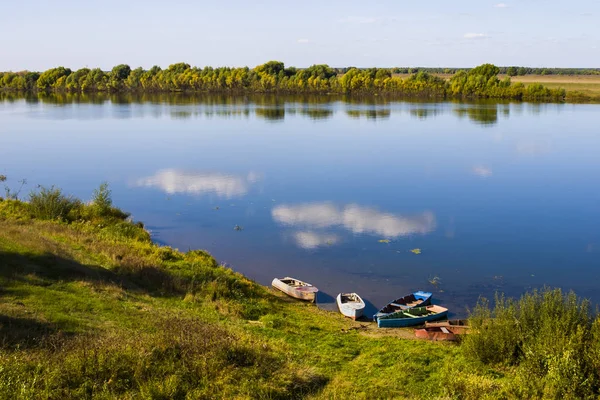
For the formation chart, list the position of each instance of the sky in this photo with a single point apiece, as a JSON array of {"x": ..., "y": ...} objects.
[{"x": 40, "y": 34}]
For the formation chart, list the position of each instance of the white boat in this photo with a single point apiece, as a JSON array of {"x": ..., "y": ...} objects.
[
  {"x": 351, "y": 305},
  {"x": 295, "y": 288}
]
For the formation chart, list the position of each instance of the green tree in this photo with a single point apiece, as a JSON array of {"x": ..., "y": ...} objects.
[
  {"x": 178, "y": 68},
  {"x": 49, "y": 79},
  {"x": 120, "y": 72},
  {"x": 271, "y": 68},
  {"x": 485, "y": 70}
]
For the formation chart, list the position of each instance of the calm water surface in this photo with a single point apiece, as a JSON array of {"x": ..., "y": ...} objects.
[{"x": 498, "y": 197}]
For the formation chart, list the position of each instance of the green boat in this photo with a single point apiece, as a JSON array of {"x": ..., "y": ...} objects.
[{"x": 412, "y": 317}]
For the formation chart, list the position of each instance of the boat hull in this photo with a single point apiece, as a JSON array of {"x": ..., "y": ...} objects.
[
  {"x": 307, "y": 293},
  {"x": 436, "y": 334},
  {"x": 457, "y": 326},
  {"x": 416, "y": 299},
  {"x": 435, "y": 313},
  {"x": 352, "y": 310}
]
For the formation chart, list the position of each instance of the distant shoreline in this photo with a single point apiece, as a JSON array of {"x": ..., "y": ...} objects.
[{"x": 482, "y": 82}]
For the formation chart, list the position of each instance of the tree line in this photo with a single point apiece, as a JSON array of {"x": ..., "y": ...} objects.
[
  {"x": 274, "y": 77},
  {"x": 509, "y": 70}
]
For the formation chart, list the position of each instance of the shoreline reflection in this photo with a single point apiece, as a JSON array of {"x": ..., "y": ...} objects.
[{"x": 268, "y": 107}]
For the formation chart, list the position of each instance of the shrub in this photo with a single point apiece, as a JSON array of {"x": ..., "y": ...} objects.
[
  {"x": 201, "y": 257},
  {"x": 127, "y": 230},
  {"x": 167, "y": 253},
  {"x": 51, "y": 203},
  {"x": 102, "y": 198},
  {"x": 102, "y": 205},
  {"x": 546, "y": 335}
]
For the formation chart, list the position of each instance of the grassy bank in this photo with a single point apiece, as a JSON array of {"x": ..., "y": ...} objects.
[{"x": 91, "y": 308}]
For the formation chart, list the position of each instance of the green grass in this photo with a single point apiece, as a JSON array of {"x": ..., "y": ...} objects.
[
  {"x": 87, "y": 310},
  {"x": 91, "y": 308}
]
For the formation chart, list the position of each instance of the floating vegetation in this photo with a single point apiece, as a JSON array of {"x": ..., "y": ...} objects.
[
  {"x": 416, "y": 251},
  {"x": 216, "y": 208},
  {"x": 384, "y": 240},
  {"x": 238, "y": 228},
  {"x": 435, "y": 281}
]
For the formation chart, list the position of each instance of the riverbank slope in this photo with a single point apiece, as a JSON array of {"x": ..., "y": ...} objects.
[{"x": 91, "y": 307}]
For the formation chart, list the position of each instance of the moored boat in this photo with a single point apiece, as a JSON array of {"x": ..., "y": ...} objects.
[
  {"x": 457, "y": 326},
  {"x": 436, "y": 333},
  {"x": 295, "y": 288},
  {"x": 412, "y": 317},
  {"x": 416, "y": 299},
  {"x": 351, "y": 305}
]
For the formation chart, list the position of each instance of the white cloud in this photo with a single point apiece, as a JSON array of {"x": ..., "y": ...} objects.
[
  {"x": 312, "y": 240},
  {"x": 303, "y": 41},
  {"x": 501, "y": 5},
  {"x": 482, "y": 171},
  {"x": 475, "y": 36},
  {"x": 355, "y": 218},
  {"x": 174, "y": 181}
]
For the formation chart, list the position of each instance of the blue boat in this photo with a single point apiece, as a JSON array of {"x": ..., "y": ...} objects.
[
  {"x": 416, "y": 299},
  {"x": 412, "y": 317}
]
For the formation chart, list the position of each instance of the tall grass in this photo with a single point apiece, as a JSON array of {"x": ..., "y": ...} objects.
[
  {"x": 184, "y": 358},
  {"x": 51, "y": 203},
  {"x": 548, "y": 337}
]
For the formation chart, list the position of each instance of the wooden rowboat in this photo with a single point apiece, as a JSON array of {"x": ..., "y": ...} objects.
[
  {"x": 295, "y": 288},
  {"x": 412, "y": 317},
  {"x": 457, "y": 326},
  {"x": 416, "y": 299},
  {"x": 436, "y": 333},
  {"x": 351, "y": 305}
]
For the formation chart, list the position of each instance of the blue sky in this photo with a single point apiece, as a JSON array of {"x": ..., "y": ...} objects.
[{"x": 37, "y": 35}]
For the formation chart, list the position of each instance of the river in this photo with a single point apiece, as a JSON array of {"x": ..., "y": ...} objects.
[{"x": 374, "y": 196}]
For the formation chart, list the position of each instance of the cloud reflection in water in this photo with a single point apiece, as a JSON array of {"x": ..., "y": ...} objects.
[
  {"x": 173, "y": 181},
  {"x": 353, "y": 217},
  {"x": 312, "y": 240},
  {"x": 482, "y": 171}
]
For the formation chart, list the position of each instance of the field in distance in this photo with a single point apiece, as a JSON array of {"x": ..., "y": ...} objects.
[{"x": 587, "y": 84}]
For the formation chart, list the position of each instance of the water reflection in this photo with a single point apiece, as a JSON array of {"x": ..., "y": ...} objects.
[
  {"x": 370, "y": 113},
  {"x": 271, "y": 114},
  {"x": 271, "y": 108},
  {"x": 316, "y": 113},
  {"x": 480, "y": 115},
  {"x": 533, "y": 147},
  {"x": 311, "y": 240},
  {"x": 355, "y": 218},
  {"x": 482, "y": 171},
  {"x": 173, "y": 181},
  {"x": 424, "y": 113}
]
